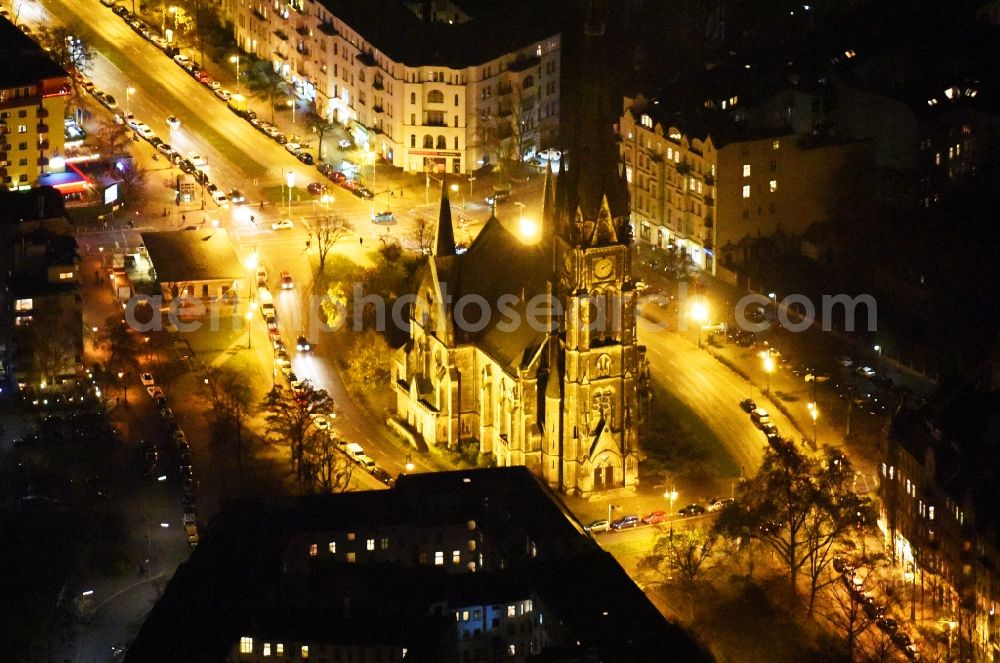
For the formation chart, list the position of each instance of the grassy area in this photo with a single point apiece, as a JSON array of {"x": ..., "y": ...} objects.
[{"x": 680, "y": 441}]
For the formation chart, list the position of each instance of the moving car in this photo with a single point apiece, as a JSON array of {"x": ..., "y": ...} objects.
[
  {"x": 302, "y": 344},
  {"x": 386, "y": 218},
  {"x": 220, "y": 199},
  {"x": 155, "y": 392},
  {"x": 147, "y": 379},
  {"x": 498, "y": 198},
  {"x": 865, "y": 371},
  {"x": 286, "y": 281},
  {"x": 284, "y": 224},
  {"x": 173, "y": 122},
  {"x": 236, "y": 197},
  {"x": 196, "y": 159}
]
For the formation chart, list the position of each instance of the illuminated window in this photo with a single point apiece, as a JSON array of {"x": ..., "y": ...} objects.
[
  {"x": 699, "y": 187},
  {"x": 746, "y": 170},
  {"x": 267, "y": 649},
  {"x": 691, "y": 183},
  {"x": 280, "y": 649},
  {"x": 350, "y": 536},
  {"x": 23, "y": 305},
  {"x": 370, "y": 544},
  {"x": 511, "y": 611},
  {"x": 930, "y": 512},
  {"x": 670, "y": 153},
  {"x": 775, "y": 144},
  {"x": 511, "y": 650},
  {"x": 384, "y": 543},
  {"x": 937, "y": 158},
  {"x": 456, "y": 557},
  {"x": 351, "y": 557},
  {"x": 465, "y": 615},
  {"x": 22, "y": 129},
  {"x": 333, "y": 547},
  {"x": 305, "y": 652},
  {"x": 246, "y": 645},
  {"x": 439, "y": 558},
  {"x": 65, "y": 276},
  {"x": 746, "y": 190},
  {"x": 774, "y": 185},
  {"x": 646, "y": 121},
  {"x": 313, "y": 550}
]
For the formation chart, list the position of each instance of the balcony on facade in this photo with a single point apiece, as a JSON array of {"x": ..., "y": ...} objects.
[
  {"x": 303, "y": 49},
  {"x": 683, "y": 168},
  {"x": 378, "y": 108},
  {"x": 42, "y": 112},
  {"x": 42, "y": 128},
  {"x": 302, "y": 30},
  {"x": 709, "y": 201},
  {"x": 281, "y": 35},
  {"x": 377, "y": 84},
  {"x": 367, "y": 59},
  {"x": 504, "y": 88},
  {"x": 709, "y": 180},
  {"x": 261, "y": 16},
  {"x": 327, "y": 29},
  {"x": 524, "y": 62},
  {"x": 43, "y": 145}
]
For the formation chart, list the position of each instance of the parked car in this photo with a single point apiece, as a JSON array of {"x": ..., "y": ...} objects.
[
  {"x": 760, "y": 417},
  {"x": 336, "y": 176},
  {"x": 220, "y": 199},
  {"x": 316, "y": 188},
  {"x": 154, "y": 392},
  {"x": 888, "y": 625},
  {"x": 654, "y": 517},
  {"x": 718, "y": 504},
  {"x": 182, "y": 60},
  {"x": 865, "y": 371},
  {"x": 691, "y": 510},
  {"x": 305, "y": 158},
  {"x": 598, "y": 526},
  {"x": 747, "y": 405},
  {"x": 196, "y": 159},
  {"x": 383, "y": 476},
  {"x": 225, "y": 95},
  {"x": 625, "y": 522}
]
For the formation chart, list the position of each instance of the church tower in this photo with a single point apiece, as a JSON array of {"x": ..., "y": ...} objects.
[{"x": 600, "y": 367}]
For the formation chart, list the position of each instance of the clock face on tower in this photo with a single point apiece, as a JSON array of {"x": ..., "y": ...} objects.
[{"x": 603, "y": 268}]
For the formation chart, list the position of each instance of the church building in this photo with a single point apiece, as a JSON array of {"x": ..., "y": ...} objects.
[{"x": 529, "y": 350}]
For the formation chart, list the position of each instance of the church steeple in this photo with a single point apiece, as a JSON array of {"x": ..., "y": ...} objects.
[
  {"x": 548, "y": 204},
  {"x": 592, "y": 200},
  {"x": 444, "y": 242}
]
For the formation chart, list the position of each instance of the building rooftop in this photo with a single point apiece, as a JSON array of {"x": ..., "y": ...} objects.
[
  {"x": 240, "y": 582},
  {"x": 24, "y": 61},
  {"x": 495, "y": 29},
  {"x": 193, "y": 255}
]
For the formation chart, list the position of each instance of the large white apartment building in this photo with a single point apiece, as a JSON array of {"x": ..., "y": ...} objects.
[{"x": 426, "y": 85}]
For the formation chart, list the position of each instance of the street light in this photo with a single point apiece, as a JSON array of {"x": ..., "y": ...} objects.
[
  {"x": 236, "y": 59},
  {"x": 122, "y": 376},
  {"x": 129, "y": 91},
  {"x": 249, "y": 316},
  {"x": 528, "y": 230},
  {"x": 291, "y": 104},
  {"x": 672, "y": 496},
  {"x": 814, "y": 413},
  {"x": 768, "y": 368},
  {"x": 290, "y": 180},
  {"x": 409, "y": 463},
  {"x": 699, "y": 313},
  {"x": 455, "y": 188}
]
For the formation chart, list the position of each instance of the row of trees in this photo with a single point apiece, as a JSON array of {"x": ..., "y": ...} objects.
[{"x": 804, "y": 511}]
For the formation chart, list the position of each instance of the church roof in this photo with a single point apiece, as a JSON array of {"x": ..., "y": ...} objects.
[{"x": 506, "y": 274}]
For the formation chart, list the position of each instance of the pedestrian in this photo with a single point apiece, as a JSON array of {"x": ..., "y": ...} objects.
[
  {"x": 184, "y": 218},
  {"x": 262, "y": 206},
  {"x": 361, "y": 241},
  {"x": 97, "y": 276},
  {"x": 164, "y": 211}
]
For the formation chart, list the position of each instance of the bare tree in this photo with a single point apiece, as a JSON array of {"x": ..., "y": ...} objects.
[
  {"x": 688, "y": 555},
  {"x": 66, "y": 48},
  {"x": 266, "y": 84},
  {"x": 327, "y": 468},
  {"x": 113, "y": 138},
  {"x": 329, "y": 230},
  {"x": 289, "y": 420},
  {"x": 50, "y": 340},
  {"x": 422, "y": 234},
  {"x": 321, "y": 126},
  {"x": 231, "y": 400}
]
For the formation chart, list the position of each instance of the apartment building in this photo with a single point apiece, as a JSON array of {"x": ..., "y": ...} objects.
[
  {"x": 33, "y": 93},
  {"x": 429, "y": 87},
  {"x": 700, "y": 187},
  {"x": 938, "y": 496},
  {"x": 387, "y": 575}
]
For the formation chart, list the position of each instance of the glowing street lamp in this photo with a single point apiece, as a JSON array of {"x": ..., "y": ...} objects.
[
  {"x": 814, "y": 413},
  {"x": 236, "y": 59},
  {"x": 290, "y": 180},
  {"x": 768, "y": 368},
  {"x": 672, "y": 496},
  {"x": 528, "y": 230},
  {"x": 249, "y": 316},
  {"x": 699, "y": 313},
  {"x": 129, "y": 91},
  {"x": 409, "y": 463}
]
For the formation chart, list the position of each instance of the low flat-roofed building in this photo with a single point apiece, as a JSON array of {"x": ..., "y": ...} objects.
[{"x": 196, "y": 264}]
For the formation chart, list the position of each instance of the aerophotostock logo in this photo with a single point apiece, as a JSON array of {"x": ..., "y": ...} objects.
[{"x": 598, "y": 313}]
